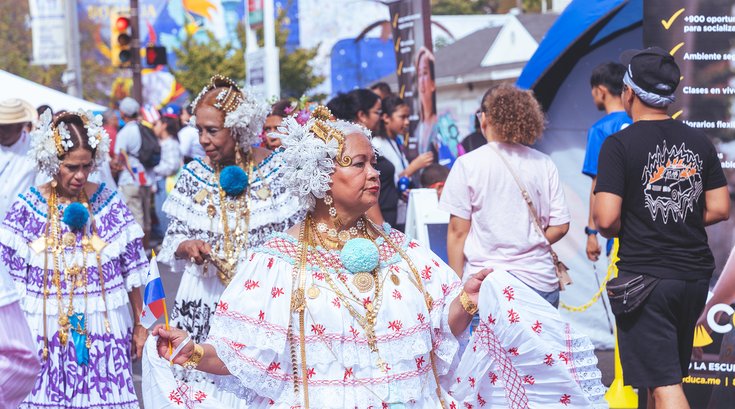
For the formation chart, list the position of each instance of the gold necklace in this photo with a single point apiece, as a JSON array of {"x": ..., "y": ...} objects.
[
  {"x": 53, "y": 242},
  {"x": 226, "y": 252},
  {"x": 367, "y": 321},
  {"x": 362, "y": 280},
  {"x": 427, "y": 299}
]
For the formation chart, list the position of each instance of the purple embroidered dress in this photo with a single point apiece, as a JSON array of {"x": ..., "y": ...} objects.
[{"x": 106, "y": 380}]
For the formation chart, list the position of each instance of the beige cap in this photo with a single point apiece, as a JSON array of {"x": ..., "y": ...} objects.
[{"x": 15, "y": 111}]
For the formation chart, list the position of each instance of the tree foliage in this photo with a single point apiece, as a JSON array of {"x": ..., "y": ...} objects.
[
  {"x": 197, "y": 60},
  {"x": 17, "y": 45}
]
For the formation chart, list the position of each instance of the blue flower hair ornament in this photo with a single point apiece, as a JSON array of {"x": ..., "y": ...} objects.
[
  {"x": 233, "y": 180},
  {"x": 76, "y": 216},
  {"x": 359, "y": 255}
]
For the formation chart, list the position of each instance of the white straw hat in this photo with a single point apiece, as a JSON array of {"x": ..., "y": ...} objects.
[{"x": 15, "y": 111}]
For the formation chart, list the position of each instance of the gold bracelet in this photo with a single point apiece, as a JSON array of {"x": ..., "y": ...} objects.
[
  {"x": 195, "y": 358},
  {"x": 467, "y": 304}
]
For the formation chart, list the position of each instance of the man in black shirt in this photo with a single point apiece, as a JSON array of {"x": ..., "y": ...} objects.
[{"x": 659, "y": 184}]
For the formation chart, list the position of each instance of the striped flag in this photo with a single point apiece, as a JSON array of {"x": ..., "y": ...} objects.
[{"x": 154, "y": 299}]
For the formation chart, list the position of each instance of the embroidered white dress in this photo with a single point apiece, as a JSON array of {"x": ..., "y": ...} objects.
[
  {"x": 198, "y": 291},
  {"x": 523, "y": 354},
  {"x": 106, "y": 381},
  {"x": 250, "y": 332}
]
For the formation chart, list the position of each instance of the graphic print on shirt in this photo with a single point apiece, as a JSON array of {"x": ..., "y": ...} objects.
[{"x": 672, "y": 182}]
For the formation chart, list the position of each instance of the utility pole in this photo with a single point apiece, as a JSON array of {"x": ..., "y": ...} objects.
[
  {"x": 272, "y": 68},
  {"x": 73, "y": 75},
  {"x": 135, "y": 51}
]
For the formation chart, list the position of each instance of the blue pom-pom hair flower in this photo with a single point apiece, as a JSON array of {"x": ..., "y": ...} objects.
[
  {"x": 76, "y": 216},
  {"x": 359, "y": 256},
  {"x": 233, "y": 180}
]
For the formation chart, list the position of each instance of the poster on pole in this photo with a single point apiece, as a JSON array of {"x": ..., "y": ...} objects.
[
  {"x": 699, "y": 33},
  {"x": 410, "y": 22},
  {"x": 48, "y": 25}
]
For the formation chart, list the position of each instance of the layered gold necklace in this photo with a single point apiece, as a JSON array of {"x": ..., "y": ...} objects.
[
  {"x": 308, "y": 239},
  {"x": 225, "y": 252},
  {"x": 75, "y": 275}
]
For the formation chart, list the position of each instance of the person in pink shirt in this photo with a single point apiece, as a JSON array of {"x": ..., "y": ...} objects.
[{"x": 491, "y": 225}]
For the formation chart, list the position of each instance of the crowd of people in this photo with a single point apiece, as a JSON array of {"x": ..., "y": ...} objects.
[{"x": 298, "y": 287}]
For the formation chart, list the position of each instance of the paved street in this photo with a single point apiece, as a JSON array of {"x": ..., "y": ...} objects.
[{"x": 171, "y": 283}]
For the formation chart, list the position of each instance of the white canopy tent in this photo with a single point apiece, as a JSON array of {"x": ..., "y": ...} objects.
[{"x": 13, "y": 86}]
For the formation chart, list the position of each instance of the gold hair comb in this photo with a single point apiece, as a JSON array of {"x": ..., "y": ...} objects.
[
  {"x": 229, "y": 99},
  {"x": 326, "y": 133}
]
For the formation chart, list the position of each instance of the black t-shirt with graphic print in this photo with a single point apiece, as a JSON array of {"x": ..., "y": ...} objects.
[{"x": 661, "y": 169}]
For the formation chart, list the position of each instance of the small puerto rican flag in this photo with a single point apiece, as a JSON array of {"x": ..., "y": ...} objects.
[{"x": 154, "y": 299}]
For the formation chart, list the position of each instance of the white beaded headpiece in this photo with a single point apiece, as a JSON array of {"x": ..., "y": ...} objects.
[
  {"x": 244, "y": 115},
  {"x": 50, "y": 140},
  {"x": 311, "y": 153}
]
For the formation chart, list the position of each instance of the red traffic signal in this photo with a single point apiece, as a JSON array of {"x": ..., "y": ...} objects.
[
  {"x": 156, "y": 56},
  {"x": 122, "y": 23},
  {"x": 121, "y": 39}
]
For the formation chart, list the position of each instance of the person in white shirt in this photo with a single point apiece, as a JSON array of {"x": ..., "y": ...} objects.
[
  {"x": 134, "y": 180},
  {"x": 17, "y": 171},
  {"x": 165, "y": 129},
  {"x": 189, "y": 138}
]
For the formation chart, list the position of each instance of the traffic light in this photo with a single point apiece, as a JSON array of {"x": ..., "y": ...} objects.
[
  {"x": 121, "y": 39},
  {"x": 155, "y": 55}
]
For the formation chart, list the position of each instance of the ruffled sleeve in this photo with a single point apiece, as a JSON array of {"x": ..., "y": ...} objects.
[
  {"x": 15, "y": 251},
  {"x": 522, "y": 353},
  {"x": 250, "y": 327},
  {"x": 178, "y": 207},
  {"x": 444, "y": 285}
]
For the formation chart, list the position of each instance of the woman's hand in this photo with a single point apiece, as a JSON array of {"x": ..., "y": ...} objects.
[
  {"x": 140, "y": 334},
  {"x": 473, "y": 284},
  {"x": 195, "y": 251},
  {"x": 175, "y": 337}
]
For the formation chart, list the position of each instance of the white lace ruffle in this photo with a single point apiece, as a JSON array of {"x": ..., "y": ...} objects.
[{"x": 524, "y": 355}]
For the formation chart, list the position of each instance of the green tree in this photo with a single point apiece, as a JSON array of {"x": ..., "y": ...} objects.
[
  {"x": 198, "y": 59},
  {"x": 17, "y": 45}
]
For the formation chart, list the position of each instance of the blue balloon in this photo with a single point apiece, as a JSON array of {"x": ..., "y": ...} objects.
[
  {"x": 76, "y": 216},
  {"x": 359, "y": 255},
  {"x": 403, "y": 184},
  {"x": 233, "y": 180}
]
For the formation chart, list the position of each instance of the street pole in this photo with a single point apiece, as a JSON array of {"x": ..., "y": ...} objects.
[
  {"x": 272, "y": 69},
  {"x": 73, "y": 73},
  {"x": 135, "y": 51}
]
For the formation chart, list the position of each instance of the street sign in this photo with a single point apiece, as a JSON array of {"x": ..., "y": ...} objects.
[{"x": 48, "y": 25}]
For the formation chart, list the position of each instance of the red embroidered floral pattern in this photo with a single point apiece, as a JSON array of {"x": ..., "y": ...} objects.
[
  {"x": 536, "y": 327},
  {"x": 276, "y": 292},
  {"x": 426, "y": 273},
  {"x": 251, "y": 284},
  {"x": 509, "y": 293},
  {"x": 513, "y": 316},
  {"x": 420, "y": 362},
  {"x": 395, "y": 325}
]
